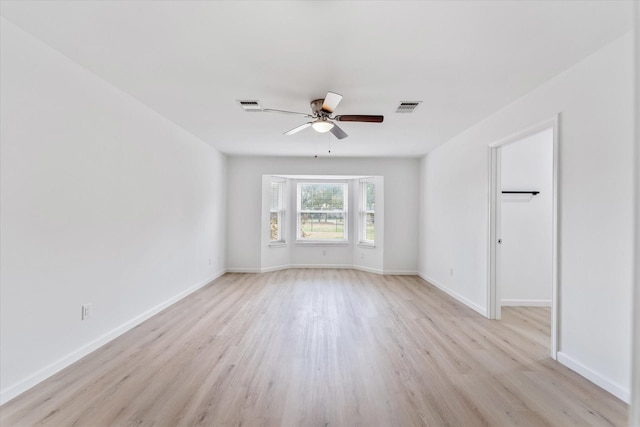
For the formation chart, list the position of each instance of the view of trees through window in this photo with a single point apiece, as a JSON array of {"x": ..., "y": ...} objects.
[
  {"x": 276, "y": 212},
  {"x": 321, "y": 211},
  {"x": 367, "y": 214}
]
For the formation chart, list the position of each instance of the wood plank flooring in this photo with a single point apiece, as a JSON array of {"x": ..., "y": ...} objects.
[{"x": 321, "y": 348}]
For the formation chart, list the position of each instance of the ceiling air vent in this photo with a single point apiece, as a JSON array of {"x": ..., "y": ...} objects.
[
  {"x": 250, "y": 105},
  {"x": 407, "y": 106}
]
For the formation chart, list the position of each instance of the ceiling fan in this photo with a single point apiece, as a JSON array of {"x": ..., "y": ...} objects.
[{"x": 323, "y": 121}]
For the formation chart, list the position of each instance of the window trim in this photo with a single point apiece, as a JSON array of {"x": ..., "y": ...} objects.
[
  {"x": 281, "y": 241},
  {"x": 362, "y": 215},
  {"x": 345, "y": 214}
]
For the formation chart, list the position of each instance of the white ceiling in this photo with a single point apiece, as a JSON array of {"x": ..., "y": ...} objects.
[{"x": 192, "y": 60}]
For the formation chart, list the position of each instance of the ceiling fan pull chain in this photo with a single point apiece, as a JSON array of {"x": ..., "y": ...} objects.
[{"x": 315, "y": 141}]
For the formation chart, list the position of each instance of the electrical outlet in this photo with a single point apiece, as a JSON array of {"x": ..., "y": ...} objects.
[
  {"x": 209, "y": 261},
  {"x": 362, "y": 255},
  {"x": 324, "y": 252},
  {"x": 86, "y": 311}
]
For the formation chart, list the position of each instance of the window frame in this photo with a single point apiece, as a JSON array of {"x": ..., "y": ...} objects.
[
  {"x": 362, "y": 214},
  {"x": 280, "y": 211},
  {"x": 344, "y": 212}
]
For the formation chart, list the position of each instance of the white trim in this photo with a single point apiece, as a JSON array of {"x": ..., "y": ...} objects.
[
  {"x": 521, "y": 134},
  {"x": 281, "y": 211},
  {"x": 634, "y": 410},
  {"x": 493, "y": 270},
  {"x": 286, "y": 267},
  {"x": 274, "y": 268},
  {"x": 243, "y": 270},
  {"x": 337, "y": 266},
  {"x": 365, "y": 245},
  {"x": 555, "y": 235},
  {"x": 55, "y": 367},
  {"x": 464, "y": 300},
  {"x": 493, "y": 297},
  {"x": 363, "y": 211},
  {"x": 344, "y": 211},
  {"x": 368, "y": 269},
  {"x": 400, "y": 273},
  {"x": 324, "y": 266},
  {"x": 282, "y": 244},
  {"x": 612, "y": 387},
  {"x": 526, "y": 302}
]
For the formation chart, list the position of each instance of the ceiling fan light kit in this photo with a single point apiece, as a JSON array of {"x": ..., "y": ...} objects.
[
  {"x": 322, "y": 125},
  {"x": 323, "y": 121}
]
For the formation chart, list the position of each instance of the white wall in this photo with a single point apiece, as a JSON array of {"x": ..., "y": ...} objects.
[
  {"x": 527, "y": 221},
  {"x": 103, "y": 201},
  {"x": 594, "y": 98},
  {"x": 245, "y": 240}
]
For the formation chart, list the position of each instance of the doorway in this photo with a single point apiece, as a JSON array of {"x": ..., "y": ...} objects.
[{"x": 523, "y": 205}]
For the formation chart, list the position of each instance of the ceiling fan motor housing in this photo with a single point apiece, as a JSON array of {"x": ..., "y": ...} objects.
[{"x": 316, "y": 107}]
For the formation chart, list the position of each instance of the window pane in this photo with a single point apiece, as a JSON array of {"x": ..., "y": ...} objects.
[
  {"x": 369, "y": 229},
  {"x": 320, "y": 226},
  {"x": 275, "y": 226},
  {"x": 370, "y": 197},
  {"x": 275, "y": 195},
  {"x": 325, "y": 197}
]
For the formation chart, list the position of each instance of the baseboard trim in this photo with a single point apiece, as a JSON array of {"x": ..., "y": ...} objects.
[
  {"x": 337, "y": 266},
  {"x": 368, "y": 269},
  {"x": 286, "y": 267},
  {"x": 16, "y": 389},
  {"x": 464, "y": 300},
  {"x": 275, "y": 268},
  {"x": 614, "y": 388},
  {"x": 244, "y": 270},
  {"x": 525, "y": 303},
  {"x": 400, "y": 273}
]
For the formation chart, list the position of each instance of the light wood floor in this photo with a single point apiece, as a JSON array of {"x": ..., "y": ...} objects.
[{"x": 321, "y": 348}]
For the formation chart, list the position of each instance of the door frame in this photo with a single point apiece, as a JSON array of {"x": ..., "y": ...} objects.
[{"x": 493, "y": 292}]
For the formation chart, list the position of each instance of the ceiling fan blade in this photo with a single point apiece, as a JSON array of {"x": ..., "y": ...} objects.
[
  {"x": 331, "y": 101},
  {"x": 337, "y": 132},
  {"x": 297, "y": 129},
  {"x": 360, "y": 118},
  {"x": 271, "y": 110}
]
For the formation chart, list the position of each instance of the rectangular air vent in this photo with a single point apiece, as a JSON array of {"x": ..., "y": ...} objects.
[
  {"x": 407, "y": 106},
  {"x": 250, "y": 105}
]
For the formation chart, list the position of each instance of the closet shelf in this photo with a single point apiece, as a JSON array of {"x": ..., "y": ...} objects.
[{"x": 533, "y": 193}]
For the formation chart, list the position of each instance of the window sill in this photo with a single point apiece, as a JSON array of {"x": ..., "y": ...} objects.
[
  {"x": 277, "y": 244},
  {"x": 365, "y": 245}
]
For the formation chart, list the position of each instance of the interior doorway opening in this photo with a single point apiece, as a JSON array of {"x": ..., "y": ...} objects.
[{"x": 523, "y": 240}]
